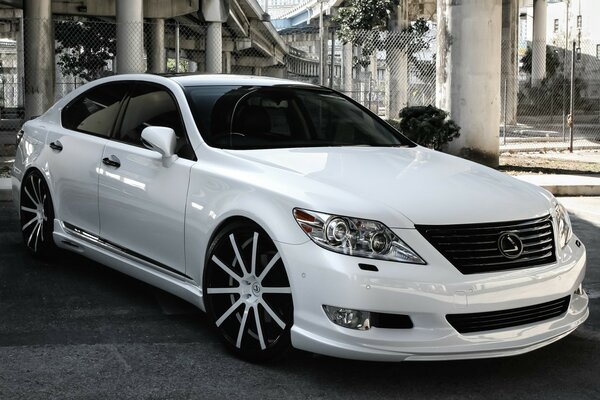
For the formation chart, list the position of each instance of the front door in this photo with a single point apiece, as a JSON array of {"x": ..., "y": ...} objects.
[{"x": 142, "y": 200}]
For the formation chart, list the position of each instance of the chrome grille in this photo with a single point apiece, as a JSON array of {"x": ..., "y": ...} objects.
[
  {"x": 488, "y": 321},
  {"x": 474, "y": 248}
]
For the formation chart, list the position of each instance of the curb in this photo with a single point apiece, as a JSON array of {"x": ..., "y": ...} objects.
[
  {"x": 565, "y": 185},
  {"x": 5, "y": 189}
]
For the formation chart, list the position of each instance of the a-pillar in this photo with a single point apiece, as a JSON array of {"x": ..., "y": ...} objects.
[
  {"x": 468, "y": 75},
  {"x": 38, "y": 57},
  {"x": 347, "y": 68},
  {"x": 510, "y": 60},
  {"x": 538, "y": 53},
  {"x": 130, "y": 36},
  {"x": 155, "y": 51}
]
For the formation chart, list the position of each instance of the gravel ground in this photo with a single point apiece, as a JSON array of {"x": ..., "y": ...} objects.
[{"x": 522, "y": 163}]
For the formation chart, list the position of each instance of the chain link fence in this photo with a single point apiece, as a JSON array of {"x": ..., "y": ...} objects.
[
  {"x": 384, "y": 71},
  {"x": 543, "y": 115}
]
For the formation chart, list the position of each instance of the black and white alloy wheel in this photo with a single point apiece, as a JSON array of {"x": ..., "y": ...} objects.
[
  {"x": 247, "y": 293},
  {"x": 37, "y": 215}
]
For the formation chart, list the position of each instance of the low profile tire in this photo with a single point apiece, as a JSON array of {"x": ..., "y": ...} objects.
[
  {"x": 247, "y": 293},
  {"x": 37, "y": 215}
]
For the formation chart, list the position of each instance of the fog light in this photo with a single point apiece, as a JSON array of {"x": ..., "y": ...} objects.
[{"x": 352, "y": 319}]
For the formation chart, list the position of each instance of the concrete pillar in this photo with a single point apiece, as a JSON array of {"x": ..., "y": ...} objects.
[
  {"x": 227, "y": 62},
  {"x": 510, "y": 60},
  {"x": 538, "y": 56},
  {"x": 214, "y": 48},
  {"x": 130, "y": 36},
  {"x": 38, "y": 57},
  {"x": 155, "y": 51},
  {"x": 398, "y": 62},
  {"x": 20, "y": 64},
  {"x": 347, "y": 68},
  {"x": 468, "y": 74}
]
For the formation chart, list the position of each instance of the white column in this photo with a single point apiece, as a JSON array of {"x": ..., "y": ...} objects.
[
  {"x": 468, "y": 74},
  {"x": 347, "y": 68},
  {"x": 38, "y": 57},
  {"x": 156, "y": 52},
  {"x": 214, "y": 48},
  {"x": 538, "y": 56},
  {"x": 130, "y": 36},
  {"x": 510, "y": 59},
  {"x": 20, "y": 64}
]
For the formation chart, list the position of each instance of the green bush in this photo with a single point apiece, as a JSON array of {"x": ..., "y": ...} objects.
[{"x": 427, "y": 125}]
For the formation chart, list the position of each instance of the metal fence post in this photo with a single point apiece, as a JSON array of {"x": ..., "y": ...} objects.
[
  {"x": 505, "y": 102},
  {"x": 572, "y": 98}
]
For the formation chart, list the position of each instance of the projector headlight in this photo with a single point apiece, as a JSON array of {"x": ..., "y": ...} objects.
[
  {"x": 563, "y": 223},
  {"x": 355, "y": 237}
]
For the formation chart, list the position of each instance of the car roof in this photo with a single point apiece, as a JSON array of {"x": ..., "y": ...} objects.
[{"x": 223, "y": 79}]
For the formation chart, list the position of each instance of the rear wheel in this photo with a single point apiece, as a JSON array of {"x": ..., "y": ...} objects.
[
  {"x": 37, "y": 215},
  {"x": 247, "y": 293}
]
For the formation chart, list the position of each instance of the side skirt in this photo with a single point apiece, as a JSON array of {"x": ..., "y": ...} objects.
[{"x": 71, "y": 238}]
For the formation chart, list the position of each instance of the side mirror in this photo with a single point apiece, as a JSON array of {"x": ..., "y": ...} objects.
[{"x": 160, "y": 139}]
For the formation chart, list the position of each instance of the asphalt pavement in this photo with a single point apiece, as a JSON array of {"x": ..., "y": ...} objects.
[{"x": 76, "y": 329}]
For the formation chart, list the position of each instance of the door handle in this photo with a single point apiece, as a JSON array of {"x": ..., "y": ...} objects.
[
  {"x": 57, "y": 146},
  {"x": 112, "y": 161}
]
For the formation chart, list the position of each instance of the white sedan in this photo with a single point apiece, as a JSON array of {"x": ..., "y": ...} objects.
[{"x": 296, "y": 218}]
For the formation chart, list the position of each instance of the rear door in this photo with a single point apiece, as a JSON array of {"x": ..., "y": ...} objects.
[
  {"x": 141, "y": 200},
  {"x": 76, "y": 150}
]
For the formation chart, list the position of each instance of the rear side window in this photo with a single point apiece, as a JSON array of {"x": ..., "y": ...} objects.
[{"x": 96, "y": 110}]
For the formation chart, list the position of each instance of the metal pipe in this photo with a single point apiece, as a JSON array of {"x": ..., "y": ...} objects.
[
  {"x": 504, "y": 129},
  {"x": 177, "y": 49},
  {"x": 321, "y": 47},
  {"x": 572, "y": 98},
  {"x": 331, "y": 66}
]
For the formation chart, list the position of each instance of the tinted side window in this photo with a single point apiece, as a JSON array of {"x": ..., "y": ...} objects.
[
  {"x": 152, "y": 105},
  {"x": 96, "y": 110}
]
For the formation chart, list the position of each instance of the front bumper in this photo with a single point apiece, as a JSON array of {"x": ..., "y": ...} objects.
[{"x": 426, "y": 293}]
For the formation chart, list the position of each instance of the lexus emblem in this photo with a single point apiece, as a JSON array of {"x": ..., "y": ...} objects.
[{"x": 510, "y": 245}]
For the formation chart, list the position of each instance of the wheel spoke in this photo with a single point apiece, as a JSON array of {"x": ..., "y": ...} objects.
[
  {"x": 37, "y": 201},
  {"x": 40, "y": 189},
  {"x": 272, "y": 314},
  {"x": 261, "y": 338},
  {"x": 227, "y": 313},
  {"x": 32, "y": 233},
  {"x": 31, "y": 210},
  {"x": 238, "y": 343},
  {"x": 31, "y": 221},
  {"x": 37, "y": 236},
  {"x": 226, "y": 269},
  {"x": 229, "y": 290},
  {"x": 278, "y": 290},
  {"x": 254, "y": 246},
  {"x": 29, "y": 195},
  {"x": 270, "y": 265},
  {"x": 237, "y": 253}
]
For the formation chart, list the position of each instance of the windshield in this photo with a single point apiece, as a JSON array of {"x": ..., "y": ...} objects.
[{"x": 249, "y": 117}]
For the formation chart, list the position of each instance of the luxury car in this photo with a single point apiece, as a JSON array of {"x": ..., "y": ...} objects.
[{"x": 294, "y": 217}]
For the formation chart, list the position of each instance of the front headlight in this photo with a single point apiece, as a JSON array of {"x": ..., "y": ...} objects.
[
  {"x": 355, "y": 237},
  {"x": 563, "y": 223}
]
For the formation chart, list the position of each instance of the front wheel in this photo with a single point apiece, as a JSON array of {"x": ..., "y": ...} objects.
[
  {"x": 247, "y": 293},
  {"x": 37, "y": 215}
]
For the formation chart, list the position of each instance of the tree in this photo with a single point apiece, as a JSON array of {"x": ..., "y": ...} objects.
[
  {"x": 428, "y": 126},
  {"x": 85, "y": 47},
  {"x": 366, "y": 23},
  {"x": 552, "y": 61}
]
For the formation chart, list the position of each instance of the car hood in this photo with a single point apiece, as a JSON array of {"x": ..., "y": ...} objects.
[{"x": 425, "y": 186}]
